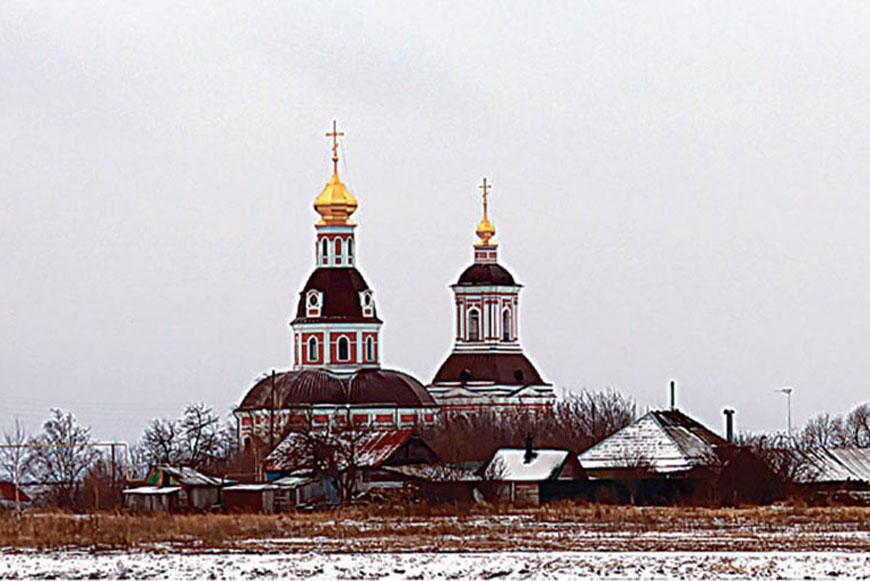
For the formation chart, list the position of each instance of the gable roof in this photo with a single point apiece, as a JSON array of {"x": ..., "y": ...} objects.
[
  {"x": 660, "y": 441},
  {"x": 833, "y": 465},
  {"x": 509, "y": 465},
  {"x": 366, "y": 449},
  {"x": 7, "y": 492},
  {"x": 183, "y": 475}
]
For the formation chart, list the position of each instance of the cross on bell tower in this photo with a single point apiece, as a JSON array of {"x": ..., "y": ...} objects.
[{"x": 335, "y": 134}]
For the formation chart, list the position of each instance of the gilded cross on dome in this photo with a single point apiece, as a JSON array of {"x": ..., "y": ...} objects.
[
  {"x": 335, "y": 134},
  {"x": 335, "y": 204},
  {"x": 485, "y": 230}
]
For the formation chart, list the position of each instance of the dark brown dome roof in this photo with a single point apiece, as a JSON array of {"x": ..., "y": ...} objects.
[
  {"x": 316, "y": 386},
  {"x": 486, "y": 275},
  {"x": 340, "y": 288},
  {"x": 498, "y": 368}
]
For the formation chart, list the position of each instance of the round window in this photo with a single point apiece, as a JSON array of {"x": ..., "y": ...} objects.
[
  {"x": 312, "y": 300},
  {"x": 367, "y": 300}
]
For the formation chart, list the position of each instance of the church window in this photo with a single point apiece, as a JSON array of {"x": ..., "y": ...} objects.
[
  {"x": 312, "y": 300},
  {"x": 370, "y": 349},
  {"x": 465, "y": 375},
  {"x": 350, "y": 247},
  {"x": 506, "y": 325},
  {"x": 343, "y": 349},
  {"x": 313, "y": 354},
  {"x": 338, "y": 250},
  {"x": 473, "y": 325},
  {"x": 324, "y": 249}
]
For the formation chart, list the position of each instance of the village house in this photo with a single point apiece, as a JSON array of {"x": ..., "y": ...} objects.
[
  {"x": 170, "y": 488},
  {"x": 530, "y": 476}
]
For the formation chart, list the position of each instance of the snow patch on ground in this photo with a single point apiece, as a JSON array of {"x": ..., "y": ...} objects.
[{"x": 429, "y": 565}]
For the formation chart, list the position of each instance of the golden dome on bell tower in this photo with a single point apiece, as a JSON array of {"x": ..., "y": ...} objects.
[
  {"x": 335, "y": 204},
  {"x": 485, "y": 230}
]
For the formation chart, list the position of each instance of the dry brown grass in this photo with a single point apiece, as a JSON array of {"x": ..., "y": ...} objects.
[{"x": 560, "y": 526}]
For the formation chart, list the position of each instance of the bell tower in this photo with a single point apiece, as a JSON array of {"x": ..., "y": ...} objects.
[{"x": 336, "y": 326}]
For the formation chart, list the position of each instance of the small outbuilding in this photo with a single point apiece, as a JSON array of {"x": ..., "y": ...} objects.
[
  {"x": 176, "y": 488},
  {"x": 258, "y": 497},
  {"x": 834, "y": 474},
  {"x": 530, "y": 475},
  {"x": 12, "y": 495}
]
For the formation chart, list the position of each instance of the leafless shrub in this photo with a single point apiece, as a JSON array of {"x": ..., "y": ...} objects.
[{"x": 575, "y": 421}]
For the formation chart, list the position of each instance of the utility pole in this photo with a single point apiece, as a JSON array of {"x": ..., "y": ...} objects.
[
  {"x": 114, "y": 493},
  {"x": 787, "y": 391}
]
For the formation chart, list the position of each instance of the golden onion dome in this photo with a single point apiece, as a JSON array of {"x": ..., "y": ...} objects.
[
  {"x": 485, "y": 231},
  {"x": 335, "y": 204}
]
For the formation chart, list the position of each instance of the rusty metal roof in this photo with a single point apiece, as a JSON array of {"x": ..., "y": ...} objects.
[
  {"x": 362, "y": 448},
  {"x": 659, "y": 442}
]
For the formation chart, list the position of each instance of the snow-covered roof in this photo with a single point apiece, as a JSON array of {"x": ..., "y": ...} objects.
[
  {"x": 509, "y": 464},
  {"x": 259, "y": 487},
  {"x": 190, "y": 477},
  {"x": 660, "y": 441},
  {"x": 833, "y": 465},
  {"x": 153, "y": 490},
  {"x": 293, "y": 480}
]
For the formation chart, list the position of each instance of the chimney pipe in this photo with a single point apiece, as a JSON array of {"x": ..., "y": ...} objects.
[
  {"x": 729, "y": 425},
  {"x": 673, "y": 395},
  {"x": 530, "y": 453}
]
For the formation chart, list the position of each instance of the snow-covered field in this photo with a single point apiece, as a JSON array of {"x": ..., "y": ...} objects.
[{"x": 428, "y": 565}]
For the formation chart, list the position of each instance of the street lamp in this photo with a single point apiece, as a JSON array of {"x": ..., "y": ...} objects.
[{"x": 787, "y": 391}]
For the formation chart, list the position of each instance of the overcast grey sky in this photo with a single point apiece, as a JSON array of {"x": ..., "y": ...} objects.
[{"x": 681, "y": 186}]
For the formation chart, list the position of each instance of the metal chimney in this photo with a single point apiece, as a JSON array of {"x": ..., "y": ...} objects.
[
  {"x": 729, "y": 425},
  {"x": 673, "y": 395},
  {"x": 530, "y": 451}
]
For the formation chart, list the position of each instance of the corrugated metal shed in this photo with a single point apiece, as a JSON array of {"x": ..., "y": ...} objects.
[
  {"x": 663, "y": 442},
  {"x": 829, "y": 465}
]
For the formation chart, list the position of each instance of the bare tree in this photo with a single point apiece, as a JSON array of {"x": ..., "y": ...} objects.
[
  {"x": 575, "y": 421},
  {"x": 591, "y": 416},
  {"x": 823, "y": 431},
  {"x": 15, "y": 458},
  {"x": 62, "y": 455},
  {"x": 782, "y": 455},
  {"x": 857, "y": 428},
  {"x": 335, "y": 452},
  {"x": 197, "y": 439},
  {"x": 201, "y": 428}
]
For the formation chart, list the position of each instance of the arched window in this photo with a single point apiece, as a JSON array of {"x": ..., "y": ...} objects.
[
  {"x": 324, "y": 249},
  {"x": 473, "y": 325},
  {"x": 350, "y": 247},
  {"x": 343, "y": 349},
  {"x": 370, "y": 349},
  {"x": 506, "y": 325},
  {"x": 313, "y": 354}
]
